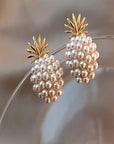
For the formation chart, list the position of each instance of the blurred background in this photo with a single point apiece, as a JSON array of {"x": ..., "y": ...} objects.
[{"x": 19, "y": 21}]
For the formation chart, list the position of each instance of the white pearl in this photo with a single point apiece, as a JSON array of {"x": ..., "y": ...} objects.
[
  {"x": 95, "y": 65},
  {"x": 92, "y": 75},
  {"x": 86, "y": 49},
  {"x": 37, "y": 68},
  {"x": 80, "y": 55},
  {"x": 84, "y": 41},
  {"x": 36, "y": 88},
  {"x": 77, "y": 72},
  {"x": 79, "y": 80},
  {"x": 75, "y": 63},
  {"x": 68, "y": 46},
  {"x": 53, "y": 77},
  {"x": 89, "y": 39},
  {"x": 82, "y": 64},
  {"x": 44, "y": 93},
  {"x": 47, "y": 100},
  {"x": 33, "y": 78},
  {"x": 41, "y": 60},
  {"x": 50, "y": 69},
  {"x": 58, "y": 74},
  {"x": 54, "y": 98},
  {"x": 92, "y": 47},
  {"x": 84, "y": 73},
  {"x": 57, "y": 62},
  {"x": 45, "y": 76},
  {"x": 39, "y": 95},
  {"x": 61, "y": 70},
  {"x": 42, "y": 68},
  {"x": 48, "y": 84},
  {"x": 72, "y": 73},
  {"x": 83, "y": 35},
  {"x": 39, "y": 76},
  {"x": 52, "y": 59},
  {"x": 61, "y": 82},
  {"x": 72, "y": 39},
  {"x": 45, "y": 56},
  {"x": 42, "y": 85},
  {"x": 59, "y": 92},
  {"x": 69, "y": 55},
  {"x": 66, "y": 54},
  {"x": 67, "y": 64},
  {"x": 51, "y": 93},
  {"x": 93, "y": 56},
  {"x": 90, "y": 67},
  {"x": 72, "y": 45},
  {"x": 88, "y": 59},
  {"x": 70, "y": 65},
  {"x": 55, "y": 66},
  {"x": 77, "y": 39},
  {"x": 79, "y": 46},
  {"x": 32, "y": 70},
  {"x": 74, "y": 54},
  {"x": 56, "y": 85},
  {"x": 97, "y": 54},
  {"x": 86, "y": 80},
  {"x": 36, "y": 62},
  {"x": 47, "y": 61}
]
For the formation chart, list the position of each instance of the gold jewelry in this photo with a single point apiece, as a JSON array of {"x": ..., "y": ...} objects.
[
  {"x": 46, "y": 73},
  {"x": 80, "y": 52}
]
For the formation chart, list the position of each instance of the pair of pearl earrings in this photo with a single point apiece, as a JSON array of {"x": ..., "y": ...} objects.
[{"x": 81, "y": 54}]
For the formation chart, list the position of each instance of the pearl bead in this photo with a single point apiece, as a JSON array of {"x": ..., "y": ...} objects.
[
  {"x": 77, "y": 72},
  {"x": 61, "y": 82},
  {"x": 66, "y": 54},
  {"x": 74, "y": 54},
  {"x": 53, "y": 77},
  {"x": 58, "y": 74},
  {"x": 93, "y": 56},
  {"x": 97, "y": 54},
  {"x": 56, "y": 85},
  {"x": 92, "y": 47},
  {"x": 84, "y": 73},
  {"x": 61, "y": 70},
  {"x": 72, "y": 73},
  {"x": 52, "y": 59},
  {"x": 39, "y": 76},
  {"x": 72, "y": 39},
  {"x": 33, "y": 78},
  {"x": 72, "y": 45},
  {"x": 41, "y": 60},
  {"x": 83, "y": 35},
  {"x": 86, "y": 49},
  {"x": 54, "y": 98},
  {"x": 79, "y": 46},
  {"x": 47, "y": 100},
  {"x": 55, "y": 65},
  {"x": 59, "y": 92},
  {"x": 47, "y": 61},
  {"x": 39, "y": 95},
  {"x": 75, "y": 63},
  {"x": 51, "y": 93},
  {"x": 37, "y": 68},
  {"x": 90, "y": 67},
  {"x": 86, "y": 80},
  {"x": 70, "y": 65},
  {"x": 89, "y": 39},
  {"x": 82, "y": 64},
  {"x": 92, "y": 75},
  {"x": 68, "y": 46},
  {"x": 50, "y": 69},
  {"x": 45, "y": 76},
  {"x": 69, "y": 55},
  {"x": 48, "y": 84},
  {"x": 36, "y": 62},
  {"x": 95, "y": 65},
  {"x": 42, "y": 68},
  {"x": 84, "y": 41},
  {"x": 44, "y": 93},
  {"x": 45, "y": 56},
  {"x": 32, "y": 70},
  {"x": 80, "y": 55},
  {"x": 79, "y": 80},
  {"x": 42, "y": 85},
  {"x": 88, "y": 59},
  {"x": 36, "y": 88},
  {"x": 67, "y": 64},
  {"x": 77, "y": 39}
]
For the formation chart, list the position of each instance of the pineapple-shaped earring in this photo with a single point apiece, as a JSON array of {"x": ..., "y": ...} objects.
[
  {"x": 46, "y": 72},
  {"x": 80, "y": 51}
]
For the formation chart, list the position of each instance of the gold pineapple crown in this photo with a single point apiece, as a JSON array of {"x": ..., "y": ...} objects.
[
  {"x": 76, "y": 27},
  {"x": 38, "y": 49}
]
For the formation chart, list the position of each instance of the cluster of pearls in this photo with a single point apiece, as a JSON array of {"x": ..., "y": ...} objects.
[
  {"x": 82, "y": 58},
  {"x": 47, "y": 78}
]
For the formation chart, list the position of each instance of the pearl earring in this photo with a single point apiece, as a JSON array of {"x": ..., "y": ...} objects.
[
  {"x": 46, "y": 73},
  {"x": 80, "y": 52}
]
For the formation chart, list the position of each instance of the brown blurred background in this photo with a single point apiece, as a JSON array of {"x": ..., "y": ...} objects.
[{"x": 21, "y": 19}]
